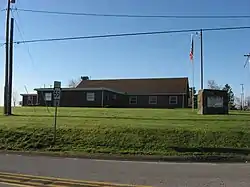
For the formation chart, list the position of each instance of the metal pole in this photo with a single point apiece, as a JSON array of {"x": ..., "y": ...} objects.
[
  {"x": 6, "y": 58},
  {"x": 242, "y": 96},
  {"x": 201, "y": 59},
  {"x": 55, "y": 118},
  {"x": 10, "y": 67},
  {"x": 192, "y": 61},
  {"x": 193, "y": 86}
]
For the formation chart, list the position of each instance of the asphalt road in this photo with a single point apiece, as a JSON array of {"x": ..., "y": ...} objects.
[{"x": 123, "y": 172}]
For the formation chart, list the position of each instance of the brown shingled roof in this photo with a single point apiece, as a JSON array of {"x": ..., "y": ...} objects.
[{"x": 140, "y": 86}]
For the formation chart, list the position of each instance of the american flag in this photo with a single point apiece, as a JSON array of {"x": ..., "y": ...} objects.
[{"x": 191, "y": 54}]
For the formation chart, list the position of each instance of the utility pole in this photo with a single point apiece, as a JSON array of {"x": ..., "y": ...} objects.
[
  {"x": 202, "y": 75},
  {"x": 242, "y": 96},
  {"x": 6, "y": 58},
  {"x": 10, "y": 67},
  {"x": 7, "y": 32}
]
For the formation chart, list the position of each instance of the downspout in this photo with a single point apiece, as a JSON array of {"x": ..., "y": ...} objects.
[
  {"x": 183, "y": 101},
  {"x": 102, "y": 98}
]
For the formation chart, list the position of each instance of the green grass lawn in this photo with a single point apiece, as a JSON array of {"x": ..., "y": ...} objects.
[
  {"x": 120, "y": 131},
  {"x": 138, "y": 118}
]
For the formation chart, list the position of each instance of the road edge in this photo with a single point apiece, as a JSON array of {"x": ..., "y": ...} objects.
[{"x": 139, "y": 158}]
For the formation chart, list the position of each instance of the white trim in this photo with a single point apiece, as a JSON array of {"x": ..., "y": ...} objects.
[
  {"x": 170, "y": 98},
  {"x": 152, "y": 98},
  {"x": 130, "y": 99}
]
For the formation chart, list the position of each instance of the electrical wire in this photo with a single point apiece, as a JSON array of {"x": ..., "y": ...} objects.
[
  {"x": 136, "y": 16},
  {"x": 2, "y": 10},
  {"x": 130, "y": 34},
  {"x": 22, "y": 35},
  {"x": 28, "y": 50}
]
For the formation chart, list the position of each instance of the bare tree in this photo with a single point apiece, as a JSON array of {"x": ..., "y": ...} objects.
[
  {"x": 213, "y": 85},
  {"x": 237, "y": 102},
  {"x": 74, "y": 82},
  {"x": 247, "y": 100},
  {"x": 15, "y": 98}
]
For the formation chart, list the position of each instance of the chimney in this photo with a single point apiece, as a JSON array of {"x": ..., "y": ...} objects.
[{"x": 84, "y": 78}]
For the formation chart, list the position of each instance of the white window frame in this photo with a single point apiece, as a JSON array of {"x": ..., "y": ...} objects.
[
  {"x": 131, "y": 98},
  {"x": 90, "y": 96},
  {"x": 152, "y": 100},
  {"x": 48, "y": 96},
  {"x": 171, "y": 98}
]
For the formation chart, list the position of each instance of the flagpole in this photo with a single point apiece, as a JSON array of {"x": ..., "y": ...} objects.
[
  {"x": 192, "y": 61},
  {"x": 202, "y": 81},
  {"x": 193, "y": 85}
]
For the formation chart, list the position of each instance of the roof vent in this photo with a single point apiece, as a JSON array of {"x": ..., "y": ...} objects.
[{"x": 84, "y": 78}]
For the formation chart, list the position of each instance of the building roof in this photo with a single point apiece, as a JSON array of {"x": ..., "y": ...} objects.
[
  {"x": 140, "y": 86},
  {"x": 31, "y": 94},
  {"x": 77, "y": 89}
]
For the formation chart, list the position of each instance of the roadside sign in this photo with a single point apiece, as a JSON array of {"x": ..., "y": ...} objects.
[
  {"x": 57, "y": 93},
  {"x": 57, "y": 84},
  {"x": 56, "y": 98},
  {"x": 56, "y": 103}
]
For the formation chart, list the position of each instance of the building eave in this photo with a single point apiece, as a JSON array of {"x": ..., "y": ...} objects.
[
  {"x": 156, "y": 94},
  {"x": 33, "y": 94},
  {"x": 107, "y": 89}
]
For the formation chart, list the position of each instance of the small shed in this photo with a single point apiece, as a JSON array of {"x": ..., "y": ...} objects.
[
  {"x": 212, "y": 101},
  {"x": 29, "y": 99}
]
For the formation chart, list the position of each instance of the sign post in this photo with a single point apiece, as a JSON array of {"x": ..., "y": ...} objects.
[{"x": 56, "y": 99}]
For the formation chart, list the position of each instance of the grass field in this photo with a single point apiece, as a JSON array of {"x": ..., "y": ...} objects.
[{"x": 123, "y": 131}]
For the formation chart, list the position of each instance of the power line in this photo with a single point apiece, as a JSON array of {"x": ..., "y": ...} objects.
[
  {"x": 130, "y": 34},
  {"x": 135, "y": 16},
  {"x": 22, "y": 36},
  {"x": 2, "y": 10}
]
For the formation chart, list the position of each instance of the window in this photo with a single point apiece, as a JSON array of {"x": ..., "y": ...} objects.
[
  {"x": 90, "y": 96},
  {"x": 29, "y": 102},
  {"x": 152, "y": 100},
  {"x": 48, "y": 96},
  {"x": 173, "y": 100},
  {"x": 30, "y": 97},
  {"x": 114, "y": 97},
  {"x": 133, "y": 100}
]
